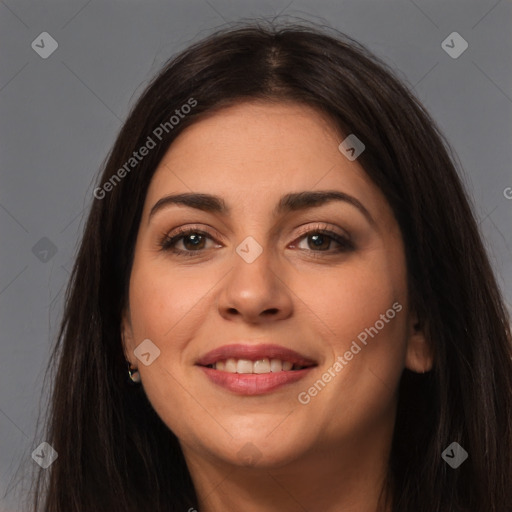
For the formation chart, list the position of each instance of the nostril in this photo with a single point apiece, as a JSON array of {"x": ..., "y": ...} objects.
[{"x": 270, "y": 312}]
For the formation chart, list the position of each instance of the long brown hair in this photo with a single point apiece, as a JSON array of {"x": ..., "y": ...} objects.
[{"x": 114, "y": 451}]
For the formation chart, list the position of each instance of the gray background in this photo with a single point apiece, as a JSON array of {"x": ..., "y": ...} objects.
[{"x": 60, "y": 115}]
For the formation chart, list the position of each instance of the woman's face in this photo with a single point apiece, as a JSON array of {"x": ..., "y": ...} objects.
[{"x": 291, "y": 258}]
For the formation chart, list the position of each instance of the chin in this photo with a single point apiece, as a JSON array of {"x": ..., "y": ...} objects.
[{"x": 259, "y": 450}]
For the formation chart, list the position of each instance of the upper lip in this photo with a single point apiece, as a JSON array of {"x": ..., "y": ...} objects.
[{"x": 254, "y": 353}]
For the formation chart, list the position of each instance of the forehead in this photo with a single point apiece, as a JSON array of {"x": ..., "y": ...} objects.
[{"x": 253, "y": 153}]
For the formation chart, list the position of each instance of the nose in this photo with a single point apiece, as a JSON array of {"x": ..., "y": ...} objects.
[{"x": 255, "y": 292}]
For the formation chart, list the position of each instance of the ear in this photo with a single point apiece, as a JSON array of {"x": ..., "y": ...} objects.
[
  {"x": 127, "y": 337},
  {"x": 420, "y": 355}
]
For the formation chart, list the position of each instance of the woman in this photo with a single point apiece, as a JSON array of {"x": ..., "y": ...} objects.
[{"x": 281, "y": 300}]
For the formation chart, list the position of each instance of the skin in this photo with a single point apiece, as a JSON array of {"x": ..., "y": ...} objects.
[{"x": 331, "y": 453}]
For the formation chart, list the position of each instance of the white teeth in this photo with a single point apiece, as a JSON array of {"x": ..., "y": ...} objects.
[
  {"x": 287, "y": 366},
  {"x": 244, "y": 366},
  {"x": 276, "y": 365},
  {"x": 258, "y": 367},
  {"x": 230, "y": 366},
  {"x": 262, "y": 366}
]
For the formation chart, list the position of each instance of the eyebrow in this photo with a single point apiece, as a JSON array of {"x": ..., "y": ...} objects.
[{"x": 288, "y": 203}]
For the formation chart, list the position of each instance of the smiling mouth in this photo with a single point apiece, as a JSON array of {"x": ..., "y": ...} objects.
[
  {"x": 258, "y": 377},
  {"x": 248, "y": 369},
  {"x": 258, "y": 367}
]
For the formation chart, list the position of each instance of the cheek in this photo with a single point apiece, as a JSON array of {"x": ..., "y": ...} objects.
[
  {"x": 163, "y": 300},
  {"x": 351, "y": 297},
  {"x": 168, "y": 307},
  {"x": 362, "y": 308}
]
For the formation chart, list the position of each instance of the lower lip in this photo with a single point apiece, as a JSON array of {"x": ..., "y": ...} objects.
[{"x": 252, "y": 383}]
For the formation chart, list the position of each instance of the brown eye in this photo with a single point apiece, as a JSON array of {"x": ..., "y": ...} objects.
[
  {"x": 193, "y": 242},
  {"x": 187, "y": 242},
  {"x": 323, "y": 241},
  {"x": 319, "y": 242}
]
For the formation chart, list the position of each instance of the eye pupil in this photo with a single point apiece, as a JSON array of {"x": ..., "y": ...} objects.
[
  {"x": 193, "y": 241},
  {"x": 320, "y": 241}
]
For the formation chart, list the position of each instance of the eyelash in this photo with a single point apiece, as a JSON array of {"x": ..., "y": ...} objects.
[{"x": 167, "y": 243}]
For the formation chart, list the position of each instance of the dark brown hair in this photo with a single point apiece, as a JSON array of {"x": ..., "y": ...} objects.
[{"x": 114, "y": 451}]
